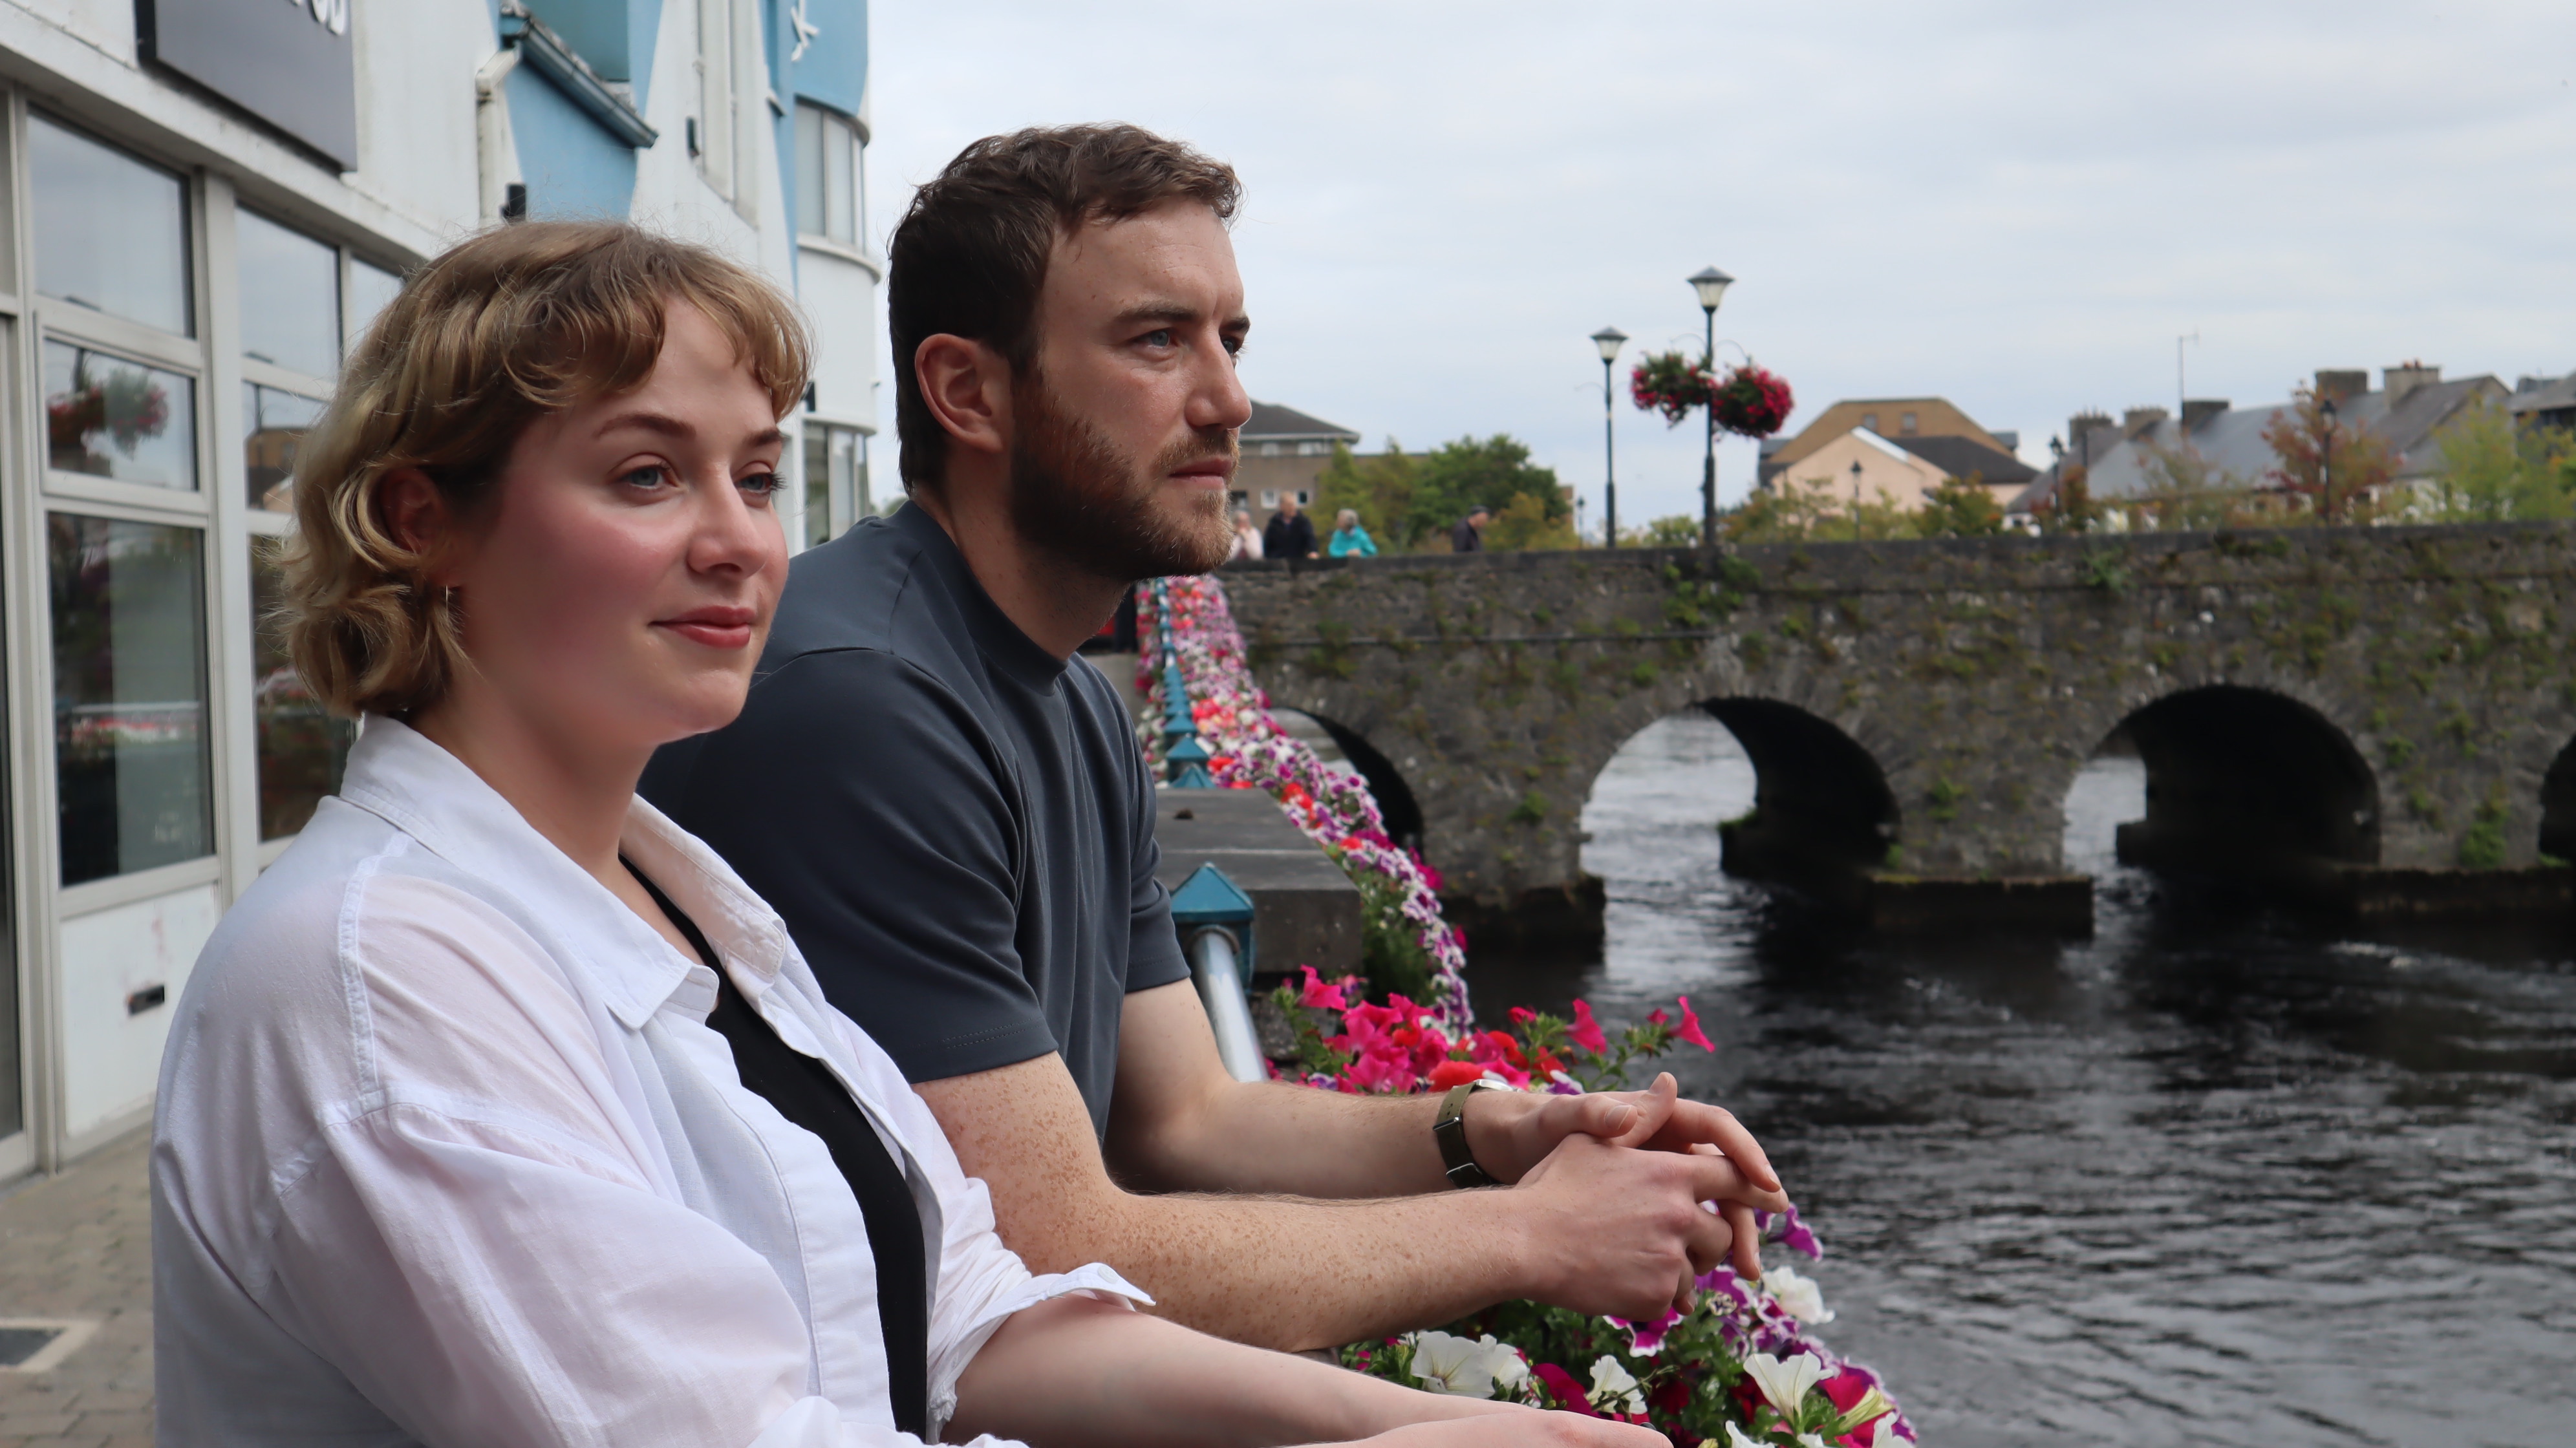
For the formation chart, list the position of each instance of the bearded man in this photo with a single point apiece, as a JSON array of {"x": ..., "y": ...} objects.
[{"x": 948, "y": 806}]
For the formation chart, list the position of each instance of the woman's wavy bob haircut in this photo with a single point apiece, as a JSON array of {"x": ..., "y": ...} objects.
[{"x": 503, "y": 329}]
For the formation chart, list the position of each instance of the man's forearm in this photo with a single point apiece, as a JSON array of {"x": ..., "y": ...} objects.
[
  {"x": 1294, "y": 1273},
  {"x": 1277, "y": 1138}
]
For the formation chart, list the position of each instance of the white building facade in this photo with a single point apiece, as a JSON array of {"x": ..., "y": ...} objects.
[{"x": 202, "y": 202}]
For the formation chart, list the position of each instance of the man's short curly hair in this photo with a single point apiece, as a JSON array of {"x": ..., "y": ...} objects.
[
  {"x": 970, "y": 256},
  {"x": 512, "y": 325}
]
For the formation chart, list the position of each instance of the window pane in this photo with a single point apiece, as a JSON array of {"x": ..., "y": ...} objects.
[
  {"x": 111, "y": 232},
  {"x": 371, "y": 290},
  {"x": 301, "y": 747},
  {"x": 129, "y": 695},
  {"x": 840, "y": 171},
  {"x": 118, "y": 419},
  {"x": 290, "y": 297},
  {"x": 866, "y": 504},
  {"x": 809, "y": 169},
  {"x": 273, "y": 421},
  {"x": 818, "y": 485},
  {"x": 845, "y": 482}
]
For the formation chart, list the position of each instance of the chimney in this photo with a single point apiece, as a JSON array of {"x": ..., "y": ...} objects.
[
  {"x": 2138, "y": 419},
  {"x": 2009, "y": 437},
  {"x": 2342, "y": 385},
  {"x": 2197, "y": 411},
  {"x": 2079, "y": 435},
  {"x": 2405, "y": 377}
]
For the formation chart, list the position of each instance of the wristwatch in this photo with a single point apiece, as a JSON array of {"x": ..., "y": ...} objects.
[{"x": 1450, "y": 1130}]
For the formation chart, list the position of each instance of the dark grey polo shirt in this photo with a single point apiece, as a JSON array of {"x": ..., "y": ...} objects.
[{"x": 957, "y": 826}]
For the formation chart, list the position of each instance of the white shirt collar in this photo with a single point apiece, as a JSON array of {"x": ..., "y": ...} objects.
[{"x": 401, "y": 776}]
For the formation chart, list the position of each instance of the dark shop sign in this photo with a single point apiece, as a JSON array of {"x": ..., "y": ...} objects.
[{"x": 288, "y": 62}]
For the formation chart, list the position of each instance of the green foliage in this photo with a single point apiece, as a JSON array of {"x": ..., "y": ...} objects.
[
  {"x": 2492, "y": 473},
  {"x": 1391, "y": 953},
  {"x": 1960, "y": 508},
  {"x": 1410, "y": 501},
  {"x": 2104, "y": 571},
  {"x": 2070, "y": 509},
  {"x": 1531, "y": 810},
  {"x": 2482, "y": 845},
  {"x": 1675, "y": 531},
  {"x": 1524, "y": 525},
  {"x": 1789, "y": 515},
  {"x": 1945, "y": 795}
]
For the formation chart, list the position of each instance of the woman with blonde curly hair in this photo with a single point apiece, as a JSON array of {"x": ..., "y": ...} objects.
[{"x": 500, "y": 1111}]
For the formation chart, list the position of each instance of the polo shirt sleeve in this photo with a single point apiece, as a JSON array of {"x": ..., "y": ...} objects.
[{"x": 893, "y": 858}]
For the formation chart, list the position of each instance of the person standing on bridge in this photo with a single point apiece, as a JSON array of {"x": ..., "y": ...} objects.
[
  {"x": 1290, "y": 534},
  {"x": 1349, "y": 539},
  {"x": 1469, "y": 535},
  {"x": 948, "y": 807}
]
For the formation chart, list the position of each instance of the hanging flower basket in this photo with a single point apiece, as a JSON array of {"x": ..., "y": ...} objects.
[
  {"x": 1752, "y": 402},
  {"x": 1670, "y": 383}
]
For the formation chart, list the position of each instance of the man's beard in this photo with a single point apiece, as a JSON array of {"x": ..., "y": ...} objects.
[{"x": 1076, "y": 496}]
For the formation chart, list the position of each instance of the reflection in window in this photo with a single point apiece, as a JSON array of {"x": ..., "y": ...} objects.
[
  {"x": 129, "y": 695},
  {"x": 290, "y": 297},
  {"x": 371, "y": 290},
  {"x": 274, "y": 422},
  {"x": 111, "y": 232},
  {"x": 301, "y": 747},
  {"x": 118, "y": 419},
  {"x": 827, "y": 174}
]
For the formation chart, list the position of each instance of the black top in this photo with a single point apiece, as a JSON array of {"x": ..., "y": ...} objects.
[
  {"x": 957, "y": 825},
  {"x": 1288, "y": 537},
  {"x": 1465, "y": 539},
  {"x": 807, "y": 1093}
]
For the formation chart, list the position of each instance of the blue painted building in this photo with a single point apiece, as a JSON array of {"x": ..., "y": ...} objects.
[{"x": 206, "y": 201}]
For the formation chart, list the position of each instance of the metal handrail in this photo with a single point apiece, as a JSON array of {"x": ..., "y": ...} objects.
[{"x": 1220, "y": 983}]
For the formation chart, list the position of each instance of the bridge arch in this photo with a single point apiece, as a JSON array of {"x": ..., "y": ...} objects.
[
  {"x": 2246, "y": 780},
  {"x": 1395, "y": 799},
  {"x": 2558, "y": 806},
  {"x": 1822, "y": 809}
]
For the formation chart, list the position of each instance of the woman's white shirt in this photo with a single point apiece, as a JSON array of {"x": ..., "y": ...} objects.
[{"x": 446, "y": 1153}]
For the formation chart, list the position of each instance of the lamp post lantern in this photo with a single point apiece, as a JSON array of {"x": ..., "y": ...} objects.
[
  {"x": 1711, "y": 284},
  {"x": 1609, "y": 340},
  {"x": 1855, "y": 499}
]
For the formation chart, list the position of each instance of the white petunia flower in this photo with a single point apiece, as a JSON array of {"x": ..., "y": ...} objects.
[
  {"x": 1735, "y": 1438},
  {"x": 1613, "y": 1390},
  {"x": 1798, "y": 1296},
  {"x": 1785, "y": 1384},
  {"x": 1466, "y": 1367}
]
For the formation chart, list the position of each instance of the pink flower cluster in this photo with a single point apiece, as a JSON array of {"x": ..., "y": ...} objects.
[{"x": 1250, "y": 751}]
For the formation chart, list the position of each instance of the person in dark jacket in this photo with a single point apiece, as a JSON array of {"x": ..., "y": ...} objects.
[
  {"x": 1469, "y": 535},
  {"x": 1291, "y": 534}
]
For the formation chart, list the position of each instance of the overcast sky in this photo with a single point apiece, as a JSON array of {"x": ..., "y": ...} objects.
[{"x": 2016, "y": 204}]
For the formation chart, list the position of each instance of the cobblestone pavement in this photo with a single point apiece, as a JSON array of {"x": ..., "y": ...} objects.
[{"x": 79, "y": 1245}]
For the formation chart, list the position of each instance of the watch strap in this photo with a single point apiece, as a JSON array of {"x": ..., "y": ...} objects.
[{"x": 1450, "y": 1130}]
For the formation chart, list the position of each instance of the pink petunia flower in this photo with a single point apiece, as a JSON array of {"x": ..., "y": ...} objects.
[
  {"x": 1586, "y": 1032},
  {"x": 1689, "y": 1029}
]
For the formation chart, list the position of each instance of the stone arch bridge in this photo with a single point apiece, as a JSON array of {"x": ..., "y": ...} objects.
[{"x": 2378, "y": 717}]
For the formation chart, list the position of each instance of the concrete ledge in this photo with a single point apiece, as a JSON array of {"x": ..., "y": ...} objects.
[
  {"x": 1305, "y": 910},
  {"x": 2383, "y": 893},
  {"x": 1911, "y": 903}
]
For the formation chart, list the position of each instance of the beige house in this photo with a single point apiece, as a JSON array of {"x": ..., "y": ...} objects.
[
  {"x": 1899, "y": 419},
  {"x": 1900, "y": 473}
]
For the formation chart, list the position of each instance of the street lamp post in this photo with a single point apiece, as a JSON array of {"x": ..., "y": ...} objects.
[
  {"x": 1711, "y": 284},
  {"x": 1855, "y": 500},
  {"x": 2325, "y": 459},
  {"x": 1609, "y": 340}
]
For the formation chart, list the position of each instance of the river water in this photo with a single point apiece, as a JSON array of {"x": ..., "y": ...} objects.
[{"x": 2210, "y": 1177}]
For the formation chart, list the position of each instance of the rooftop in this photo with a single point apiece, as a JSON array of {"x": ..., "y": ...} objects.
[{"x": 1272, "y": 423}]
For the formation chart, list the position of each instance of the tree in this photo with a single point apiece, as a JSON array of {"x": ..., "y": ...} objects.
[
  {"x": 1960, "y": 508},
  {"x": 2492, "y": 473},
  {"x": 1525, "y": 525},
  {"x": 2069, "y": 507},
  {"x": 2187, "y": 491},
  {"x": 1677, "y": 530},
  {"x": 1378, "y": 487},
  {"x": 1476, "y": 473},
  {"x": 2337, "y": 472},
  {"x": 1786, "y": 514}
]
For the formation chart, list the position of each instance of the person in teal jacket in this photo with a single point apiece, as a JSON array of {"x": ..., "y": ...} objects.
[{"x": 1349, "y": 537}]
